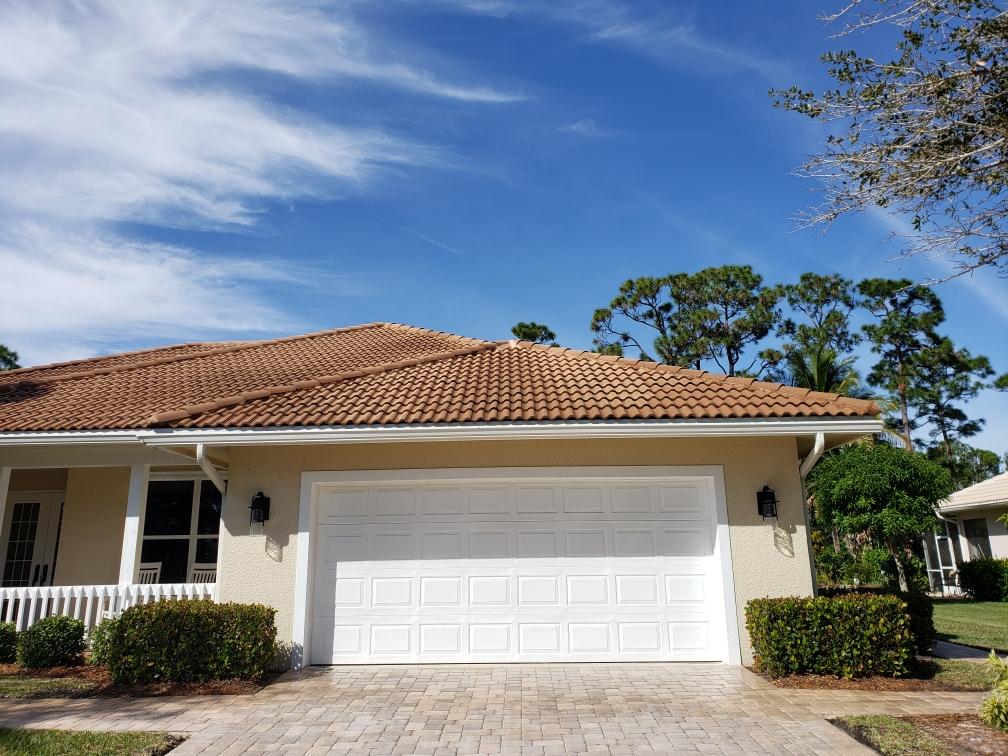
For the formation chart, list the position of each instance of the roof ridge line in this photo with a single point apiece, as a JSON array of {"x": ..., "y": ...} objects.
[
  {"x": 419, "y": 329},
  {"x": 191, "y": 410},
  {"x": 765, "y": 387},
  {"x": 85, "y": 360},
  {"x": 195, "y": 355}
]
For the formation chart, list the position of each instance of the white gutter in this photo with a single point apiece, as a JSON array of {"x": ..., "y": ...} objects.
[
  {"x": 506, "y": 431},
  {"x": 342, "y": 434},
  {"x": 817, "y": 450},
  {"x": 208, "y": 467},
  {"x": 48, "y": 438}
]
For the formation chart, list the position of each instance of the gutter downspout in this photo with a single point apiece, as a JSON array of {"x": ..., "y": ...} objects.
[
  {"x": 208, "y": 467},
  {"x": 809, "y": 462},
  {"x": 804, "y": 469}
]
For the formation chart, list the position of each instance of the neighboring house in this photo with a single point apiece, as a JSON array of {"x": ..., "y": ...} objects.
[
  {"x": 432, "y": 498},
  {"x": 971, "y": 528}
]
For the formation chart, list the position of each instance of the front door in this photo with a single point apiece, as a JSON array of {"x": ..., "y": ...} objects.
[{"x": 32, "y": 524}]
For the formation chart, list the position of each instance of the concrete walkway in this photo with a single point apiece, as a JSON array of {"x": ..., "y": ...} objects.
[
  {"x": 533, "y": 709},
  {"x": 947, "y": 650}
]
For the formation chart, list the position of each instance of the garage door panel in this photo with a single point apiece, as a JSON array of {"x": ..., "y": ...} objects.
[
  {"x": 486, "y": 638},
  {"x": 600, "y": 571},
  {"x": 680, "y": 500}
]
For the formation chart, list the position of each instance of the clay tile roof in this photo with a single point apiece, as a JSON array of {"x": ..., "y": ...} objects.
[{"x": 382, "y": 373}]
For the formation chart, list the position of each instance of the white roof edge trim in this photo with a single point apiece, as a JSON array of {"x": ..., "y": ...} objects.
[
  {"x": 48, "y": 438},
  {"x": 450, "y": 432},
  {"x": 989, "y": 504},
  {"x": 504, "y": 431}
]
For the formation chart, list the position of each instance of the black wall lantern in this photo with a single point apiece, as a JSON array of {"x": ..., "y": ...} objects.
[
  {"x": 259, "y": 511},
  {"x": 766, "y": 502}
]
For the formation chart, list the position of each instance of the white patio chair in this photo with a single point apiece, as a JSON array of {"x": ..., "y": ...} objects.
[
  {"x": 204, "y": 573},
  {"x": 149, "y": 573}
]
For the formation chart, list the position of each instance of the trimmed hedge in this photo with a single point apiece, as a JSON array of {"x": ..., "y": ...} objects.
[
  {"x": 8, "y": 643},
  {"x": 101, "y": 642},
  {"x": 51, "y": 642},
  {"x": 855, "y": 635},
  {"x": 984, "y": 579},
  {"x": 192, "y": 641},
  {"x": 919, "y": 608}
]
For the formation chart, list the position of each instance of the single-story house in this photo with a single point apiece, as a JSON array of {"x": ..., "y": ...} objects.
[
  {"x": 971, "y": 527},
  {"x": 405, "y": 495}
]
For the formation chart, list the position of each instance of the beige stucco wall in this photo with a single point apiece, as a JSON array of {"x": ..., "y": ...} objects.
[
  {"x": 767, "y": 560},
  {"x": 44, "y": 479},
  {"x": 93, "y": 516}
]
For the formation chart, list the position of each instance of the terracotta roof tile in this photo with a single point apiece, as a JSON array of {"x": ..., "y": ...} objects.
[{"x": 382, "y": 373}]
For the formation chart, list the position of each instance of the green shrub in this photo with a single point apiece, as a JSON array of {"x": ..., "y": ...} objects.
[
  {"x": 185, "y": 641},
  {"x": 852, "y": 635},
  {"x": 984, "y": 579},
  {"x": 869, "y": 567},
  {"x": 51, "y": 642},
  {"x": 919, "y": 610},
  {"x": 100, "y": 641},
  {"x": 994, "y": 709},
  {"x": 8, "y": 642},
  {"x": 832, "y": 566}
]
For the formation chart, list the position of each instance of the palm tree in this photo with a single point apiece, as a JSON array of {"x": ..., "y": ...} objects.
[{"x": 822, "y": 369}]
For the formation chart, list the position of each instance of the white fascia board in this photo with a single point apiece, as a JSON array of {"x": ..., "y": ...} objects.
[
  {"x": 973, "y": 505},
  {"x": 341, "y": 434},
  {"x": 506, "y": 431},
  {"x": 63, "y": 438}
]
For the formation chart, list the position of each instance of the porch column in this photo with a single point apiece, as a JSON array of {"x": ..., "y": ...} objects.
[
  {"x": 5, "y": 476},
  {"x": 136, "y": 504}
]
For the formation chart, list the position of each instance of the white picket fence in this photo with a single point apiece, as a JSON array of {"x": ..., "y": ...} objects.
[{"x": 91, "y": 603}]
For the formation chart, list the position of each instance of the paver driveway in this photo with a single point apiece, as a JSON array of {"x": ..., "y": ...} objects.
[{"x": 520, "y": 709}]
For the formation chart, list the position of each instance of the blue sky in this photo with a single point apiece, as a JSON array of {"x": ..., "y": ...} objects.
[{"x": 195, "y": 170}]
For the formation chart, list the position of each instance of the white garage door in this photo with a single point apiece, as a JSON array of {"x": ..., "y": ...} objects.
[{"x": 498, "y": 565}]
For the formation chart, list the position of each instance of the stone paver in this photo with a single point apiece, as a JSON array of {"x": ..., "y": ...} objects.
[{"x": 523, "y": 709}]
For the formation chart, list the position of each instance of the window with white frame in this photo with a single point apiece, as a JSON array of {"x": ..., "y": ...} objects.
[
  {"x": 181, "y": 527},
  {"x": 977, "y": 538}
]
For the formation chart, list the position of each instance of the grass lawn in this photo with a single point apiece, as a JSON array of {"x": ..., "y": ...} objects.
[
  {"x": 983, "y": 624},
  {"x": 891, "y": 736},
  {"x": 16, "y": 686},
  {"x": 925, "y": 735},
  {"x": 59, "y": 742},
  {"x": 88, "y": 681},
  {"x": 962, "y": 675}
]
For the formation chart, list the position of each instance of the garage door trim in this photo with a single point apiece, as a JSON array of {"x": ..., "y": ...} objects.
[{"x": 312, "y": 482}]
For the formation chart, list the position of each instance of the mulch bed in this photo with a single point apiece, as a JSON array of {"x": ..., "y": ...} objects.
[
  {"x": 102, "y": 684},
  {"x": 963, "y": 733},
  {"x": 820, "y": 682},
  {"x": 919, "y": 679}
]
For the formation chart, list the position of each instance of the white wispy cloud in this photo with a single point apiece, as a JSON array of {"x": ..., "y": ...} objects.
[
  {"x": 114, "y": 112},
  {"x": 584, "y": 127},
  {"x": 78, "y": 294},
  {"x": 424, "y": 238},
  {"x": 656, "y": 30},
  {"x": 993, "y": 292}
]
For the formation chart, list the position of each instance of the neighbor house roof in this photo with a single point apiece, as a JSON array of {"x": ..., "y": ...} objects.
[
  {"x": 986, "y": 493},
  {"x": 382, "y": 373}
]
